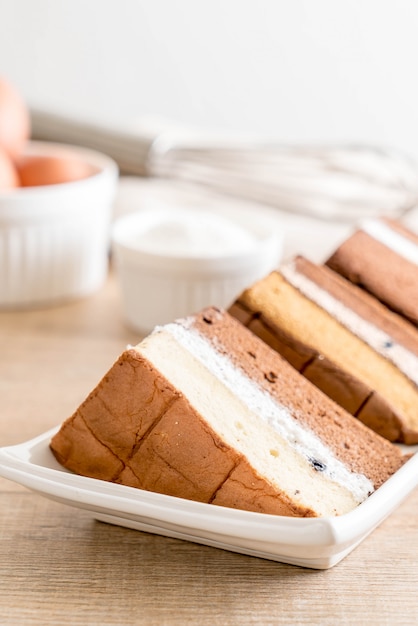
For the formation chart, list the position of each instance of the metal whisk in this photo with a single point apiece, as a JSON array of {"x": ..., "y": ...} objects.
[{"x": 344, "y": 182}]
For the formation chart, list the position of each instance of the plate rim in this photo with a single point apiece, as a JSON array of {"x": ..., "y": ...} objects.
[{"x": 329, "y": 533}]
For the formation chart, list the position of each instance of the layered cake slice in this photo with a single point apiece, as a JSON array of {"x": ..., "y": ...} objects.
[
  {"x": 203, "y": 409},
  {"x": 361, "y": 354},
  {"x": 382, "y": 258}
]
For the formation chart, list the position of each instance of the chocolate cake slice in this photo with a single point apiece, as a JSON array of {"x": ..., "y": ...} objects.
[
  {"x": 382, "y": 258},
  {"x": 203, "y": 409},
  {"x": 362, "y": 355}
]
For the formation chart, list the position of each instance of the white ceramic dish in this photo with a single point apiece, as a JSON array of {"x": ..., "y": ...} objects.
[
  {"x": 197, "y": 259},
  {"x": 315, "y": 543},
  {"x": 54, "y": 239}
]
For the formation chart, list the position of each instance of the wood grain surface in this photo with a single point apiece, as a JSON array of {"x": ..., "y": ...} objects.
[{"x": 59, "y": 566}]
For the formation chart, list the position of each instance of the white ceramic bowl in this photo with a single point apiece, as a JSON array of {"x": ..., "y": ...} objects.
[
  {"x": 169, "y": 266},
  {"x": 54, "y": 239}
]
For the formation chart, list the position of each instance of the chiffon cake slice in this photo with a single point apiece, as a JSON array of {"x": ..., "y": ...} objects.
[
  {"x": 203, "y": 409},
  {"x": 358, "y": 352},
  {"x": 382, "y": 258}
]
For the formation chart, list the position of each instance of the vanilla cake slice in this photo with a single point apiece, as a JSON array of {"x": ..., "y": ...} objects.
[
  {"x": 351, "y": 346},
  {"x": 203, "y": 409}
]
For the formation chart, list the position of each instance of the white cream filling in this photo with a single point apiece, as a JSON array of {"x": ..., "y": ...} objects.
[
  {"x": 377, "y": 339},
  {"x": 305, "y": 442},
  {"x": 391, "y": 239}
]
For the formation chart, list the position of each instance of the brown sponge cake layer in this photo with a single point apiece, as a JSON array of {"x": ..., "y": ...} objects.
[
  {"x": 233, "y": 427},
  {"x": 380, "y": 267},
  {"x": 341, "y": 364}
]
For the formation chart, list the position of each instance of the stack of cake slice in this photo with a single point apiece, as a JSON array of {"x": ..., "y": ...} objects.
[
  {"x": 253, "y": 408},
  {"x": 340, "y": 336}
]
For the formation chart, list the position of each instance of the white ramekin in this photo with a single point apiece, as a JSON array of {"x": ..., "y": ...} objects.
[
  {"x": 158, "y": 287},
  {"x": 54, "y": 239}
]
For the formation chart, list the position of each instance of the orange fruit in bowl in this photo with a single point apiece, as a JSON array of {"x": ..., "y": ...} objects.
[{"x": 40, "y": 170}]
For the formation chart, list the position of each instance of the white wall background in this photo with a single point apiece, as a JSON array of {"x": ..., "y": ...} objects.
[{"x": 296, "y": 70}]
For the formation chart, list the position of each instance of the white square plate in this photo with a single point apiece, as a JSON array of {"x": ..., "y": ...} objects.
[{"x": 318, "y": 543}]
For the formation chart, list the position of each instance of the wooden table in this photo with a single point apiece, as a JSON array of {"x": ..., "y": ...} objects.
[{"x": 58, "y": 566}]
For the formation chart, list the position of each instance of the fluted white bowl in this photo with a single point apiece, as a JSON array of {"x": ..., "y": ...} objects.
[
  {"x": 158, "y": 285},
  {"x": 54, "y": 239}
]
